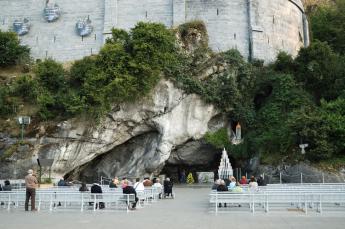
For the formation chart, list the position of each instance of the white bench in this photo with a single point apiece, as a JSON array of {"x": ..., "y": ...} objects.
[
  {"x": 318, "y": 201},
  {"x": 69, "y": 200}
]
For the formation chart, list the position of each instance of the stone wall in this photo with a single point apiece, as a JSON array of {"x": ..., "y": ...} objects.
[
  {"x": 257, "y": 28},
  {"x": 59, "y": 39}
]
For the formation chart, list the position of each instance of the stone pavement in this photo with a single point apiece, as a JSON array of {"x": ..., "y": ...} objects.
[{"x": 188, "y": 210}]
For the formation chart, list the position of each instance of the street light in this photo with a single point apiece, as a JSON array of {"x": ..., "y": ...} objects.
[
  {"x": 303, "y": 146},
  {"x": 23, "y": 120}
]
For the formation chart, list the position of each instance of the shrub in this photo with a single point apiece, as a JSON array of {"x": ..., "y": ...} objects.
[
  {"x": 50, "y": 75},
  {"x": 11, "y": 51},
  {"x": 26, "y": 87}
]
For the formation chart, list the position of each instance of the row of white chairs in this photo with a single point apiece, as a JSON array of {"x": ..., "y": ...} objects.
[
  {"x": 52, "y": 197},
  {"x": 68, "y": 200},
  {"x": 323, "y": 201},
  {"x": 299, "y": 197}
]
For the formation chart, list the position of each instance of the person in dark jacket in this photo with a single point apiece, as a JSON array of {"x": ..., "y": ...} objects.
[
  {"x": 216, "y": 184},
  {"x": 168, "y": 185},
  {"x": 96, "y": 188},
  {"x": 62, "y": 182},
  {"x": 261, "y": 181},
  {"x": 127, "y": 188},
  {"x": 222, "y": 188},
  {"x": 7, "y": 186}
]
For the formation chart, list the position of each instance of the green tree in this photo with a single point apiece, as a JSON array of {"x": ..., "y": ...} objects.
[
  {"x": 321, "y": 71},
  {"x": 26, "y": 87},
  {"x": 328, "y": 25},
  {"x": 11, "y": 51},
  {"x": 50, "y": 75}
]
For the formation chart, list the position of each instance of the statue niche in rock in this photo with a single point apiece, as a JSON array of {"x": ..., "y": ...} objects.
[
  {"x": 21, "y": 27},
  {"x": 84, "y": 27}
]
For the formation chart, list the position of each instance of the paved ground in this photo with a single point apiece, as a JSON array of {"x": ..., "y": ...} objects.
[{"x": 188, "y": 210}]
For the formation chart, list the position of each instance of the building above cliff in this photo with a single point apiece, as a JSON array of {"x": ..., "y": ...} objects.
[{"x": 259, "y": 29}]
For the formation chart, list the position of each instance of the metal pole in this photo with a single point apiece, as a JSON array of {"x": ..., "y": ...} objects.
[
  {"x": 280, "y": 177},
  {"x": 22, "y": 133},
  {"x": 246, "y": 175},
  {"x": 323, "y": 178},
  {"x": 40, "y": 178},
  {"x": 301, "y": 178}
]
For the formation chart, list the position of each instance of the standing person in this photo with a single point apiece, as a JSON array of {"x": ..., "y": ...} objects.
[
  {"x": 31, "y": 185},
  {"x": 159, "y": 187},
  {"x": 168, "y": 185},
  {"x": 183, "y": 177}
]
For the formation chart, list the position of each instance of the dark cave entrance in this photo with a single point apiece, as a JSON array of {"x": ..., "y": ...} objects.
[{"x": 175, "y": 171}]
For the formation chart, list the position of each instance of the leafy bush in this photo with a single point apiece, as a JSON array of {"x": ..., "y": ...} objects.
[
  {"x": 5, "y": 104},
  {"x": 11, "y": 51},
  {"x": 328, "y": 25},
  {"x": 50, "y": 75},
  {"x": 26, "y": 87}
]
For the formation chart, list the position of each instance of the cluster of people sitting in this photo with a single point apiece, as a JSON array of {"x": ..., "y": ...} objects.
[
  {"x": 232, "y": 185},
  {"x": 237, "y": 187},
  {"x": 129, "y": 188},
  {"x": 6, "y": 187}
]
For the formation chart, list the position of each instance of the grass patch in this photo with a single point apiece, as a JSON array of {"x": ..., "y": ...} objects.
[{"x": 332, "y": 165}]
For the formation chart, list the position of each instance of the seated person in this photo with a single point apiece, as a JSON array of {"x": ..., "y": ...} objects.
[
  {"x": 96, "y": 188},
  {"x": 243, "y": 180},
  {"x": 112, "y": 184},
  {"x": 168, "y": 185},
  {"x": 127, "y": 188},
  {"x": 147, "y": 182},
  {"x": 7, "y": 186},
  {"x": 253, "y": 185},
  {"x": 61, "y": 182},
  {"x": 261, "y": 181},
  {"x": 232, "y": 183},
  {"x": 83, "y": 188},
  {"x": 216, "y": 184},
  {"x": 139, "y": 186},
  {"x": 222, "y": 188},
  {"x": 237, "y": 188}
]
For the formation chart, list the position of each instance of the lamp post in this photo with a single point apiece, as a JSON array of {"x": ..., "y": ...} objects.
[
  {"x": 302, "y": 146},
  {"x": 23, "y": 120}
]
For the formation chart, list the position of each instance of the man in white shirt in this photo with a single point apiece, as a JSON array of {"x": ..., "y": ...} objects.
[{"x": 138, "y": 186}]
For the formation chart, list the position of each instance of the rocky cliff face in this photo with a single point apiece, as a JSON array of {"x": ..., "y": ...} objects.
[
  {"x": 292, "y": 174},
  {"x": 133, "y": 139}
]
